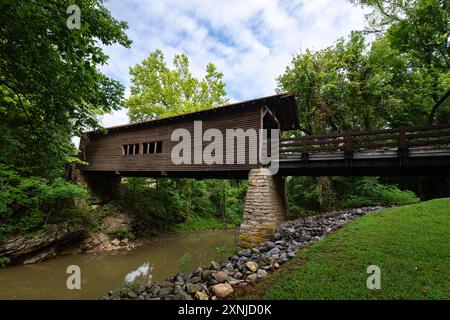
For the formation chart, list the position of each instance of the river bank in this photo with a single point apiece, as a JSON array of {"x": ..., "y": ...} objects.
[
  {"x": 102, "y": 271},
  {"x": 115, "y": 235},
  {"x": 219, "y": 280}
]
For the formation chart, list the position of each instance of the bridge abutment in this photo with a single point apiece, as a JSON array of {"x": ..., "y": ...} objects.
[
  {"x": 265, "y": 207},
  {"x": 105, "y": 187}
]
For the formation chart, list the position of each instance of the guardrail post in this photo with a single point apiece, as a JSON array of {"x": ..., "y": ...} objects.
[
  {"x": 403, "y": 146},
  {"x": 305, "y": 153},
  {"x": 348, "y": 150}
]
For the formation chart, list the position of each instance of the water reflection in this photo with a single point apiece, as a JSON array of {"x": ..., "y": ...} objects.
[{"x": 143, "y": 275}]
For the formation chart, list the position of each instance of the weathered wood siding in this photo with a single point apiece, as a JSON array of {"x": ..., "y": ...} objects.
[{"x": 104, "y": 152}]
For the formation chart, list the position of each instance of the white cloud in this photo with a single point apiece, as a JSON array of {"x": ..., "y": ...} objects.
[{"x": 250, "y": 41}]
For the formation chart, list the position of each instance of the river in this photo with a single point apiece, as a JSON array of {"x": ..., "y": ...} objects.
[{"x": 103, "y": 272}]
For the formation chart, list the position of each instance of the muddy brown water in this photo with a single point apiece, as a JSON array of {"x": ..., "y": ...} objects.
[{"x": 104, "y": 272}]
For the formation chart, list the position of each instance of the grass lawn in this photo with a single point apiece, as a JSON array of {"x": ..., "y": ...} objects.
[{"x": 410, "y": 244}]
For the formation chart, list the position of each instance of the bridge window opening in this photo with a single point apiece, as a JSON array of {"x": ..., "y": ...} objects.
[
  {"x": 130, "y": 149},
  {"x": 145, "y": 148},
  {"x": 158, "y": 146},
  {"x": 151, "y": 147}
]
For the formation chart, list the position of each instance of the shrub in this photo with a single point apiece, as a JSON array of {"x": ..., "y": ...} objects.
[
  {"x": 309, "y": 195},
  {"x": 28, "y": 203},
  {"x": 4, "y": 261},
  {"x": 167, "y": 204}
]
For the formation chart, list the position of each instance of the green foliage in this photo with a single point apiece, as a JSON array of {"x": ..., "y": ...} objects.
[
  {"x": 50, "y": 84},
  {"x": 121, "y": 233},
  {"x": 306, "y": 196},
  {"x": 183, "y": 204},
  {"x": 406, "y": 243},
  {"x": 4, "y": 261},
  {"x": 184, "y": 262},
  {"x": 197, "y": 223},
  {"x": 368, "y": 191},
  {"x": 230, "y": 251},
  {"x": 157, "y": 91},
  {"x": 419, "y": 32},
  {"x": 29, "y": 203}
]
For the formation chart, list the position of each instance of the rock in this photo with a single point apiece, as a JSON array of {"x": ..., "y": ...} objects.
[
  {"x": 182, "y": 296},
  {"x": 261, "y": 273},
  {"x": 165, "y": 291},
  {"x": 233, "y": 281},
  {"x": 193, "y": 288},
  {"x": 128, "y": 293},
  {"x": 194, "y": 280},
  {"x": 252, "y": 266},
  {"x": 269, "y": 245},
  {"x": 229, "y": 266},
  {"x": 273, "y": 252},
  {"x": 115, "y": 242},
  {"x": 178, "y": 289},
  {"x": 17, "y": 247},
  {"x": 220, "y": 276},
  {"x": 252, "y": 277},
  {"x": 165, "y": 284},
  {"x": 154, "y": 289},
  {"x": 200, "y": 295},
  {"x": 215, "y": 266},
  {"x": 117, "y": 222},
  {"x": 222, "y": 290},
  {"x": 206, "y": 275},
  {"x": 276, "y": 265},
  {"x": 41, "y": 256},
  {"x": 245, "y": 253},
  {"x": 238, "y": 275},
  {"x": 139, "y": 289}
]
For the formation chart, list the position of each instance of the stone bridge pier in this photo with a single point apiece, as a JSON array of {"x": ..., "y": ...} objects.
[{"x": 265, "y": 207}]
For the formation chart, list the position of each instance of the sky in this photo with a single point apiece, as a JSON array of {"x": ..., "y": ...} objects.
[{"x": 250, "y": 41}]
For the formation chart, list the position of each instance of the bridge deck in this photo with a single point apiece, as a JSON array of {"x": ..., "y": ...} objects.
[
  {"x": 419, "y": 161},
  {"x": 404, "y": 151}
]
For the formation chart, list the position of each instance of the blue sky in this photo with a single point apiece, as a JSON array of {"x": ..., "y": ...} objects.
[{"x": 250, "y": 41}]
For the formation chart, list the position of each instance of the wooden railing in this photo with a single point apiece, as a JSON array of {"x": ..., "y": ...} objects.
[{"x": 400, "y": 139}]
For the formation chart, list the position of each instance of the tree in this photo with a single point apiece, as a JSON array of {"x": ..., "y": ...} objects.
[
  {"x": 420, "y": 31},
  {"x": 158, "y": 91},
  {"x": 50, "y": 85},
  {"x": 342, "y": 87}
]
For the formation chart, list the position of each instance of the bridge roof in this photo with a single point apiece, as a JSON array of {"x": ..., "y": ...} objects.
[{"x": 284, "y": 106}]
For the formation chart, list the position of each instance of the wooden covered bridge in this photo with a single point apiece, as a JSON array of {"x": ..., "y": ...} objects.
[{"x": 147, "y": 149}]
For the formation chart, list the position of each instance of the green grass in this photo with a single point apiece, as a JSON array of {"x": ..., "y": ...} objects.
[
  {"x": 196, "y": 223},
  {"x": 410, "y": 244}
]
